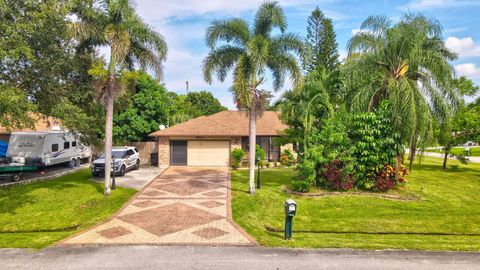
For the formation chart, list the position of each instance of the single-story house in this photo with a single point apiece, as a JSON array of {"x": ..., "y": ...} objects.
[{"x": 208, "y": 140}]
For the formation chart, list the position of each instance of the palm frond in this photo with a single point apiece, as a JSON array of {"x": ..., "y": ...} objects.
[
  {"x": 269, "y": 15},
  {"x": 220, "y": 61},
  {"x": 232, "y": 30}
]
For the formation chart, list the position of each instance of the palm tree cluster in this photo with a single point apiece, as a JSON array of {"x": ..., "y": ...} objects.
[{"x": 250, "y": 52}]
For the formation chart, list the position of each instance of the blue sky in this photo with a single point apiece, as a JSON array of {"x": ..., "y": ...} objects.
[{"x": 183, "y": 24}]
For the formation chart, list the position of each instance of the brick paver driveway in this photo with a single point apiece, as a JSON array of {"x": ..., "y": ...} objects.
[{"x": 184, "y": 206}]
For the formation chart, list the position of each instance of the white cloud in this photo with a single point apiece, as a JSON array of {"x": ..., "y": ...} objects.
[
  {"x": 430, "y": 4},
  {"x": 468, "y": 69},
  {"x": 465, "y": 47},
  {"x": 154, "y": 10}
]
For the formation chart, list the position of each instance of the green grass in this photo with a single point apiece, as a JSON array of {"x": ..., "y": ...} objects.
[
  {"x": 39, "y": 214},
  {"x": 449, "y": 204},
  {"x": 474, "y": 151}
]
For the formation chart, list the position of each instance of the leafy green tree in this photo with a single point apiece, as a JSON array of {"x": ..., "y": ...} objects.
[
  {"x": 205, "y": 102},
  {"x": 115, "y": 24},
  {"x": 406, "y": 63},
  {"x": 149, "y": 108},
  {"x": 321, "y": 43},
  {"x": 181, "y": 109},
  {"x": 41, "y": 70},
  {"x": 461, "y": 125},
  {"x": 250, "y": 53}
]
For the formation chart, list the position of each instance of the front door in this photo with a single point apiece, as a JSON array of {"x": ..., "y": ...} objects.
[{"x": 178, "y": 153}]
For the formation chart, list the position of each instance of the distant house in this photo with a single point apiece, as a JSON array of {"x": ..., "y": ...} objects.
[
  {"x": 208, "y": 140},
  {"x": 42, "y": 123}
]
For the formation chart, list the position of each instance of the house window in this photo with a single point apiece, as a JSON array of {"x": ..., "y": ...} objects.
[
  {"x": 74, "y": 143},
  {"x": 66, "y": 145},
  {"x": 267, "y": 143},
  {"x": 55, "y": 147},
  {"x": 273, "y": 150}
]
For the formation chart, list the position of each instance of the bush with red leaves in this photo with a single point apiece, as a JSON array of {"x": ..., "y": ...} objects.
[
  {"x": 387, "y": 177},
  {"x": 333, "y": 177}
]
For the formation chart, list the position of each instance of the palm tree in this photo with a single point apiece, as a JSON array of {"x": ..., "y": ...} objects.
[
  {"x": 406, "y": 63},
  {"x": 115, "y": 24},
  {"x": 249, "y": 52},
  {"x": 303, "y": 110}
]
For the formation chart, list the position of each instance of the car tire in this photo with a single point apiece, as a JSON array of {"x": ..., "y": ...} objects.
[
  {"x": 137, "y": 165},
  {"x": 71, "y": 163},
  {"x": 123, "y": 169},
  {"x": 78, "y": 162},
  {"x": 16, "y": 177}
]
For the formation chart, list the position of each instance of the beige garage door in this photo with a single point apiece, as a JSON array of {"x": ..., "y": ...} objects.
[{"x": 208, "y": 153}]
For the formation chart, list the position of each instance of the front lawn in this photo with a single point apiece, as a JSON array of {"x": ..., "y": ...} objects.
[
  {"x": 447, "y": 210},
  {"x": 39, "y": 214}
]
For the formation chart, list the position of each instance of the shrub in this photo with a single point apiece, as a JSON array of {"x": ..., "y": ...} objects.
[
  {"x": 284, "y": 160},
  {"x": 387, "y": 177},
  {"x": 333, "y": 176},
  {"x": 287, "y": 158},
  {"x": 260, "y": 154},
  {"x": 237, "y": 156},
  {"x": 375, "y": 143}
]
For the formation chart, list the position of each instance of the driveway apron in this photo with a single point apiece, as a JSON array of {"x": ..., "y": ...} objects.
[{"x": 182, "y": 206}]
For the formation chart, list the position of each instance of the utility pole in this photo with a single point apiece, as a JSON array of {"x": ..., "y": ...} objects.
[{"x": 187, "y": 86}]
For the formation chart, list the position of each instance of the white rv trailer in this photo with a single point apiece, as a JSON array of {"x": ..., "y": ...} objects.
[{"x": 46, "y": 148}]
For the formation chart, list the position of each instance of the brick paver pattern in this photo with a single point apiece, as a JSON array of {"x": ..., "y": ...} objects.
[{"x": 184, "y": 206}]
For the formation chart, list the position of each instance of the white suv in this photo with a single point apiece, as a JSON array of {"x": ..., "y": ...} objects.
[{"x": 124, "y": 159}]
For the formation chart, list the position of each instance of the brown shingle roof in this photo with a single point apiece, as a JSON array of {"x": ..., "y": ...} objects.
[
  {"x": 42, "y": 123},
  {"x": 225, "y": 123}
]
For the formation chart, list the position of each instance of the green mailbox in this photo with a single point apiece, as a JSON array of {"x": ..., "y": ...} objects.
[{"x": 290, "y": 212}]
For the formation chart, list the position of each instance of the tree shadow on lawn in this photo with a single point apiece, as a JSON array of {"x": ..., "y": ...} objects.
[{"x": 15, "y": 197}]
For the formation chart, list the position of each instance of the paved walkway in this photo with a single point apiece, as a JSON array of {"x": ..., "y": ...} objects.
[{"x": 182, "y": 206}]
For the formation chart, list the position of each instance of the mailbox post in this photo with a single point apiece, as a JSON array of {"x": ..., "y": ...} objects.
[{"x": 290, "y": 212}]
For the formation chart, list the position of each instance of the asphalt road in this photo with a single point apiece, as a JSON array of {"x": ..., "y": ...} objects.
[{"x": 231, "y": 258}]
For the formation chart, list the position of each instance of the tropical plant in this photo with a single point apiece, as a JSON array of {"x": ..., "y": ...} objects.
[
  {"x": 250, "y": 52},
  {"x": 116, "y": 25},
  {"x": 327, "y": 144},
  {"x": 375, "y": 143},
  {"x": 303, "y": 110},
  {"x": 406, "y": 63}
]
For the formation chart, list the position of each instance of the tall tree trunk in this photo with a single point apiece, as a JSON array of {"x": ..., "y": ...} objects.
[
  {"x": 411, "y": 156},
  {"x": 109, "y": 122},
  {"x": 445, "y": 157},
  {"x": 108, "y": 141},
  {"x": 399, "y": 162},
  {"x": 253, "y": 142}
]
